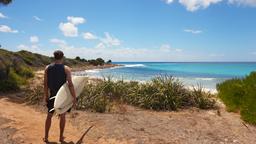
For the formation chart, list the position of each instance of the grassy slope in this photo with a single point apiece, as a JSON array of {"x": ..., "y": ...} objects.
[
  {"x": 16, "y": 67},
  {"x": 29, "y": 58}
]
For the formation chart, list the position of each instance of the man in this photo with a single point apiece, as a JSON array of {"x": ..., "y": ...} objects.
[{"x": 56, "y": 74}]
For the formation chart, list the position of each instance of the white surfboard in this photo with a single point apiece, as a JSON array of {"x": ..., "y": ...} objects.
[{"x": 64, "y": 100}]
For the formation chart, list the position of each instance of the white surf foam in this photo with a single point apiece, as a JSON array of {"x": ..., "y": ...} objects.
[
  {"x": 134, "y": 65},
  {"x": 92, "y": 71},
  {"x": 205, "y": 79}
]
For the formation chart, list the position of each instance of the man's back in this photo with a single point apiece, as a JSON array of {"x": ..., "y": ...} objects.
[{"x": 56, "y": 77}]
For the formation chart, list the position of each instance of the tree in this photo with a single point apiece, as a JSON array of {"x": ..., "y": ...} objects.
[
  {"x": 100, "y": 61},
  {"x": 109, "y": 61},
  {"x": 83, "y": 60},
  {"x": 5, "y": 2},
  {"x": 93, "y": 62},
  {"x": 78, "y": 58}
]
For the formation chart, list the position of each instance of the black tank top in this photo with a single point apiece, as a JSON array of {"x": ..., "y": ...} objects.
[{"x": 56, "y": 77}]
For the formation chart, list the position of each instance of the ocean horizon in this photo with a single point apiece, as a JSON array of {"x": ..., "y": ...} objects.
[{"x": 205, "y": 74}]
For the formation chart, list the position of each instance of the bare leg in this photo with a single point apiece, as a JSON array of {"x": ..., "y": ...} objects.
[
  {"x": 62, "y": 126},
  {"x": 48, "y": 122}
]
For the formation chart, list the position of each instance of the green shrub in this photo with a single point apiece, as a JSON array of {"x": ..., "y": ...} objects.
[
  {"x": 25, "y": 72},
  {"x": 239, "y": 96},
  {"x": 161, "y": 93},
  {"x": 14, "y": 77},
  {"x": 8, "y": 85},
  {"x": 231, "y": 92},
  {"x": 28, "y": 57},
  {"x": 96, "y": 62},
  {"x": 12, "y": 81}
]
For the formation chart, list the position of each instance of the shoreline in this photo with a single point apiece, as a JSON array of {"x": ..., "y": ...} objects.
[
  {"x": 92, "y": 69},
  {"x": 210, "y": 90}
]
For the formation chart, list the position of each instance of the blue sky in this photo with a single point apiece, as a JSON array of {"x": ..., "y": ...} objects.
[{"x": 133, "y": 30}]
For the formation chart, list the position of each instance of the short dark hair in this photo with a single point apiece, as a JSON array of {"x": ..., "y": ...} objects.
[{"x": 58, "y": 55}]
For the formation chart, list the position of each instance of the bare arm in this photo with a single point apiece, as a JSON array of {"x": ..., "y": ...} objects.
[
  {"x": 46, "y": 92},
  {"x": 70, "y": 83}
]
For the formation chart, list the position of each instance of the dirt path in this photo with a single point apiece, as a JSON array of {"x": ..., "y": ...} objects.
[
  {"x": 20, "y": 123},
  {"x": 192, "y": 126},
  {"x": 27, "y": 125}
]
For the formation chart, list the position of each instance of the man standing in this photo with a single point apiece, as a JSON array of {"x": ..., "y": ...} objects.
[{"x": 56, "y": 74}]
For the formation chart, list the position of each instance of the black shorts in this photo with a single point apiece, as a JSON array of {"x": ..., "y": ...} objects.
[{"x": 50, "y": 106}]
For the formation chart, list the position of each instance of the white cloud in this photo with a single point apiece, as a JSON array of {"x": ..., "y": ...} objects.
[
  {"x": 58, "y": 41},
  {"x": 179, "y": 50},
  {"x": 37, "y": 18},
  {"x": 89, "y": 36},
  {"x": 168, "y": 1},
  {"x": 193, "y": 31},
  {"x": 22, "y": 47},
  {"x": 76, "y": 20},
  {"x": 243, "y": 2},
  {"x": 7, "y": 29},
  {"x": 110, "y": 40},
  {"x": 2, "y": 15},
  {"x": 100, "y": 46},
  {"x": 35, "y": 48},
  {"x": 32, "y": 48},
  {"x": 34, "y": 39},
  {"x": 193, "y": 5},
  {"x": 122, "y": 53},
  {"x": 69, "y": 29},
  {"x": 165, "y": 48}
]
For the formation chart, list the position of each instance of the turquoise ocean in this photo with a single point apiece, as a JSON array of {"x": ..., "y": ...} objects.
[{"x": 207, "y": 74}]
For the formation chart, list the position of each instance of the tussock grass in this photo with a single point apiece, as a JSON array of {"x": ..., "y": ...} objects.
[
  {"x": 202, "y": 99},
  {"x": 162, "y": 93}
]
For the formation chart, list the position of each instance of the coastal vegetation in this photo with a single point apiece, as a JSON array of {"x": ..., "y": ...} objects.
[
  {"x": 239, "y": 96},
  {"x": 95, "y": 62},
  {"x": 162, "y": 93},
  {"x": 17, "y": 67},
  {"x": 13, "y": 71}
]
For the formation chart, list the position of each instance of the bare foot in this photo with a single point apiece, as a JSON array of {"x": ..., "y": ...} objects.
[
  {"x": 61, "y": 139},
  {"x": 45, "y": 140}
]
